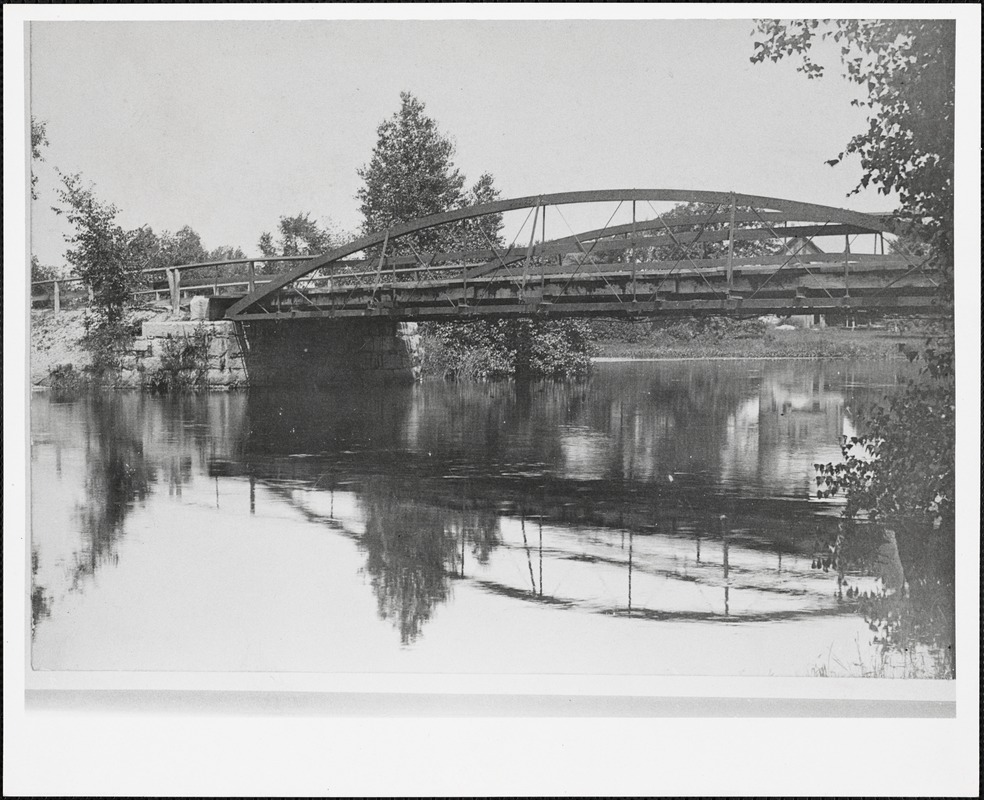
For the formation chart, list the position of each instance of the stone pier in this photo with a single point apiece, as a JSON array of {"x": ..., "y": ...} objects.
[
  {"x": 316, "y": 352},
  {"x": 293, "y": 353}
]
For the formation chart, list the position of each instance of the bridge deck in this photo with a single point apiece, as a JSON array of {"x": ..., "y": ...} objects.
[{"x": 824, "y": 283}]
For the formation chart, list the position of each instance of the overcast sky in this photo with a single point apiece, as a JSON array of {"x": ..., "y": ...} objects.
[{"x": 225, "y": 126}]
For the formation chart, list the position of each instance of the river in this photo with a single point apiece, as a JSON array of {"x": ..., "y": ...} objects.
[{"x": 657, "y": 518}]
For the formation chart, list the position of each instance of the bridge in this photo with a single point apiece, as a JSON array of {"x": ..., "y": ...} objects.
[
  {"x": 735, "y": 254},
  {"x": 339, "y": 316}
]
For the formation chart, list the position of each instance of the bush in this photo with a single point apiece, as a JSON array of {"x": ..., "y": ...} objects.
[
  {"x": 497, "y": 349},
  {"x": 64, "y": 378},
  {"x": 184, "y": 364},
  {"x": 107, "y": 340},
  {"x": 903, "y": 464},
  {"x": 621, "y": 330},
  {"x": 550, "y": 348}
]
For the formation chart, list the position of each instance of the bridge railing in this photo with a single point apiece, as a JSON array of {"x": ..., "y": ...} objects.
[
  {"x": 70, "y": 290},
  {"x": 57, "y": 293}
]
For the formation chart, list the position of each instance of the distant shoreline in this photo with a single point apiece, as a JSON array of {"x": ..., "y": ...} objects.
[{"x": 620, "y": 359}]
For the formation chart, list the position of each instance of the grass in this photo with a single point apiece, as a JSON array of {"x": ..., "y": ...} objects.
[{"x": 892, "y": 664}]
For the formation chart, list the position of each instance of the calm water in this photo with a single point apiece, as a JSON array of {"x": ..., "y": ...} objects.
[{"x": 657, "y": 518}]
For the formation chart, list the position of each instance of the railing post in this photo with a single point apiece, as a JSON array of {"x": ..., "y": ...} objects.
[
  {"x": 252, "y": 277},
  {"x": 174, "y": 285},
  {"x": 57, "y": 299},
  {"x": 731, "y": 247},
  {"x": 543, "y": 242}
]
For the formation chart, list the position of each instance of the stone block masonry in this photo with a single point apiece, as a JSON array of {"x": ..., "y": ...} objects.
[
  {"x": 315, "y": 352},
  {"x": 222, "y": 365},
  {"x": 292, "y": 353}
]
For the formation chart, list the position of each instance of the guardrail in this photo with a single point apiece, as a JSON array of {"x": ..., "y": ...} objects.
[{"x": 174, "y": 289}]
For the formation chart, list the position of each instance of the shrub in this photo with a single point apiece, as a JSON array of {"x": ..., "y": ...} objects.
[
  {"x": 502, "y": 348},
  {"x": 65, "y": 379},
  {"x": 184, "y": 364}
]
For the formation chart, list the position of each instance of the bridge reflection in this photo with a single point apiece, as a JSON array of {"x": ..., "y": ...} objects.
[
  {"x": 667, "y": 492},
  {"x": 663, "y": 483}
]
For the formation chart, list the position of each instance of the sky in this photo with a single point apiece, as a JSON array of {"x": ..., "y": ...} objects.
[{"x": 225, "y": 126}]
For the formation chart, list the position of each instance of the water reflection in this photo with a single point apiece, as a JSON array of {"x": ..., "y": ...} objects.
[
  {"x": 410, "y": 556},
  {"x": 676, "y": 492},
  {"x": 117, "y": 476}
]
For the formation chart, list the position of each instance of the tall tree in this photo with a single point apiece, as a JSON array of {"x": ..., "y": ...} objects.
[{"x": 411, "y": 174}]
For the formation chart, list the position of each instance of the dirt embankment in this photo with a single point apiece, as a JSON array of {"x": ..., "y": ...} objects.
[{"x": 55, "y": 339}]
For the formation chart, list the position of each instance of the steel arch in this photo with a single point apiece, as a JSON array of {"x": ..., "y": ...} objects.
[{"x": 791, "y": 209}]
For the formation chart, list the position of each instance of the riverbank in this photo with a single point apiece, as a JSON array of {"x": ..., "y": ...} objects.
[
  {"x": 55, "y": 342},
  {"x": 868, "y": 343},
  {"x": 55, "y": 339}
]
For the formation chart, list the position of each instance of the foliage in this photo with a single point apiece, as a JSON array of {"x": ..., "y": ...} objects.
[
  {"x": 907, "y": 68},
  {"x": 152, "y": 251},
  {"x": 482, "y": 349},
  {"x": 482, "y": 232},
  {"x": 299, "y": 236},
  {"x": 102, "y": 257},
  {"x": 64, "y": 378},
  {"x": 466, "y": 350},
  {"x": 39, "y": 140},
  {"x": 40, "y": 272},
  {"x": 550, "y": 348},
  {"x": 411, "y": 174},
  {"x": 904, "y": 463},
  {"x": 743, "y": 248},
  {"x": 183, "y": 364},
  {"x": 684, "y": 329}
]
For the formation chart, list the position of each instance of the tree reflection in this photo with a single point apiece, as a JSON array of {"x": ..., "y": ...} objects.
[
  {"x": 415, "y": 548},
  {"x": 117, "y": 475},
  {"x": 410, "y": 558}
]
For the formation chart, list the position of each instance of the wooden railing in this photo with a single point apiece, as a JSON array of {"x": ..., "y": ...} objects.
[
  {"x": 177, "y": 288},
  {"x": 174, "y": 288}
]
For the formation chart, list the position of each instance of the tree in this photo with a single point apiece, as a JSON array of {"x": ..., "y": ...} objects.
[
  {"x": 41, "y": 272},
  {"x": 411, "y": 174},
  {"x": 904, "y": 463},
  {"x": 743, "y": 248},
  {"x": 481, "y": 232},
  {"x": 299, "y": 236},
  {"x": 907, "y": 68},
  {"x": 101, "y": 256},
  {"x": 39, "y": 140}
]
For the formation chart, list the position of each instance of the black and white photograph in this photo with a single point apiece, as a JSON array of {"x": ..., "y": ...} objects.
[{"x": 394, "y": 363}]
